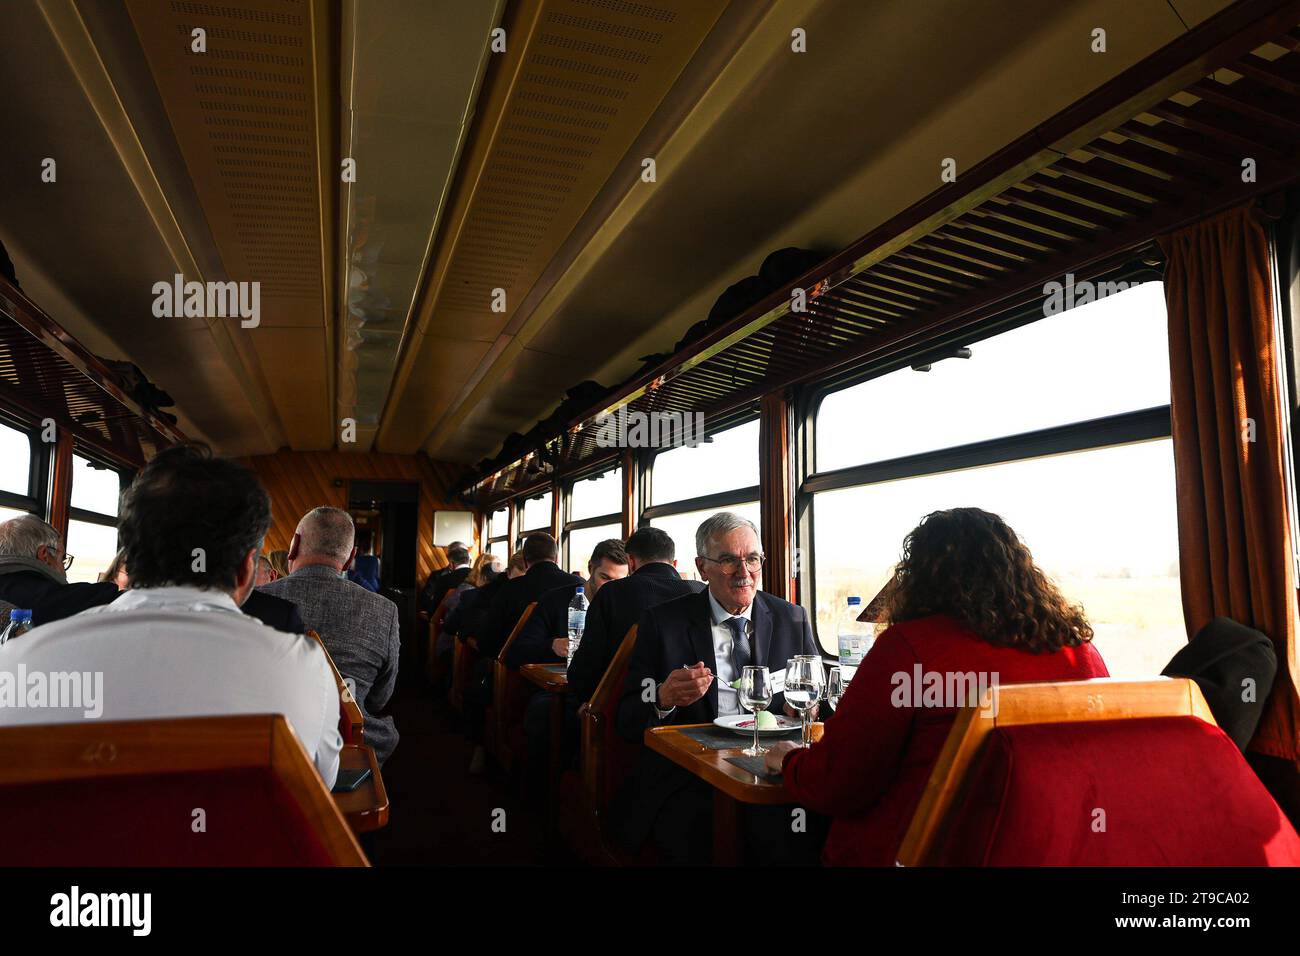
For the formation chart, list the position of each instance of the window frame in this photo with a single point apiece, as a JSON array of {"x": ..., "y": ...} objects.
[
  {"x": 84, "y": 514},
  {"x": 38, "y": 467},
  {"x": 1141, "y": 425},
  {"x": 568, "y": 524},
  {"x": 714, "y": 501}
]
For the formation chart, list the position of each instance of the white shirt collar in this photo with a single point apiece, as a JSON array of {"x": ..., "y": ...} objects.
[
  {"x": 721, "y": 614},
  {"x": 181, "y": 597}
]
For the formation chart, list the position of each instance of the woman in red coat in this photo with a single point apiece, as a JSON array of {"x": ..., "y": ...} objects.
[{"x": 967, "y": 599}]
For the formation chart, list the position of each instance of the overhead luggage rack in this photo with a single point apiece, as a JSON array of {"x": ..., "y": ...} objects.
[
  {"x": 1207, "y": 122},
  {"x": 47, "y": 373}
]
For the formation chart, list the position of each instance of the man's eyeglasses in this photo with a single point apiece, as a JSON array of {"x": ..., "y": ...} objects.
[
  {"x": 67, "y": 561},
  {"x": 731, "y": 563}
]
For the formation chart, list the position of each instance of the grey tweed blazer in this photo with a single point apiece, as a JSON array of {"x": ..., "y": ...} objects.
[{"x": 361, "y": 631}]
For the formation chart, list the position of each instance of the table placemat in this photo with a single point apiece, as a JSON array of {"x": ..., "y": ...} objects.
[
  {"x": 716, "y": 738},
  {"x": 755, "y": 766}
]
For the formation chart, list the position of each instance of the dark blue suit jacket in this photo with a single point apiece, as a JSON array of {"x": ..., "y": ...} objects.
[{"x": 669, "y": 636}]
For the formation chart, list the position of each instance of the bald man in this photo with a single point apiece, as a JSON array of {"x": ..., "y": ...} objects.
[{"x": 359, "y": 628}]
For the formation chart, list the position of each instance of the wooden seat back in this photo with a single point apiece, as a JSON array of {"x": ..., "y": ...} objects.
[
  {"x": 607, "y": 759},
  {"x": 509, "y": 692},
  {"x": 433, "y": 667},
  {"x": 352, "y": 725},
  {"x": 1017, "y": 704},
  {"x": 196, "y": 791}
]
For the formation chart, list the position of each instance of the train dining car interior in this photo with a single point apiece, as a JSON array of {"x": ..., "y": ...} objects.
[{"x": 616, "y": 435}]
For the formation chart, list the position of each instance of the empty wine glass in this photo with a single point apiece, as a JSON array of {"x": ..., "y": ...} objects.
[
  {"x": 804, "y": 680},
  {"x": 755, "y": 694},
  {"x": 834, "y": 687}
]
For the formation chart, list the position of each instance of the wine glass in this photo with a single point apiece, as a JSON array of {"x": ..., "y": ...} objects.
[
  {"x": 804, "y": 680},
  {"x": 834, "y": 687},
  {"x": 755, "y": 694}
]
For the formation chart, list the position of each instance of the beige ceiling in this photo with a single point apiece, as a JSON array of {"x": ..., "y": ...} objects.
[{"x": 478, "y": 170}]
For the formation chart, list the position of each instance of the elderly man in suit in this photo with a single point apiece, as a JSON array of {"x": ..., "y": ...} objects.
[
  {"x": 360, "y": 628},
  {"x": 722, "y": 629}
]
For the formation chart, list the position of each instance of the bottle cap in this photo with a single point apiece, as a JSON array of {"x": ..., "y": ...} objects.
[
  {"x": 579, "y": 591},
  {"x": 18, "y": 614},
  {"x": 855, "y": 600}
]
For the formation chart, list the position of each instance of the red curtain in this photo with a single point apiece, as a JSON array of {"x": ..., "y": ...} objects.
[{"x": 1229, "y": 448}]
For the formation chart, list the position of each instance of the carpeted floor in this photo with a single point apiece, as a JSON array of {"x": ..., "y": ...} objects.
[{"x": 440, "y": 814}]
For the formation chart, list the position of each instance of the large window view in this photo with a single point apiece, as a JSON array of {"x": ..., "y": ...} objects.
[
  {"x": 727, "y": 462},
  {"x": 595, "y": 514},
  {"x": 537, "y": 514},
  {"x": 724, "y": 468},
  {"x": 92, "y": 530},
  {"x": 15, "y": 461},
  {"x": 498, "y": 533},
  {"x": 1101, "y": 522}
]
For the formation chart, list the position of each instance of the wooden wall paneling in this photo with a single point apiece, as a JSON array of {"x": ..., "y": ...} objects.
[
  {"x": 60, "y": 503},
  {"x": 629, "y": 493},
  {"x": 777, "y": 493},
  {"x": 300, "y": 481}
]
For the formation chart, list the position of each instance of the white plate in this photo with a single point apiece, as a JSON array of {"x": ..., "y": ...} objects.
[{"x": 744, "y": 724}]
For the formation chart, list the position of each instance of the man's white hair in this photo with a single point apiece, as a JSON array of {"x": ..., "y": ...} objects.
[
  {"x": 327, "y": 533},
  {"x": 715, "y": 526},
  {"x": 23, "y": 536}
]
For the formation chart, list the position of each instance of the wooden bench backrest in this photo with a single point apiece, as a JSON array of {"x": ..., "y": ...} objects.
[
  {"x": 91, "y": 753},
  {"x": 505, "y": 683},
  {"x": 606, "y": 757},
  {"x": 352, "y": 724},
  {"x": 1016, "y": 704}
]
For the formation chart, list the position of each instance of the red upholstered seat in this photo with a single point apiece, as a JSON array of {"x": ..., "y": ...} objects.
[
  {"x": 1158, "y": 791},
  {"x": 249, "y": 819}
]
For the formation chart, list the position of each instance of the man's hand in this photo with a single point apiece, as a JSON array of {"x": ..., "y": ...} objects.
[
  {"x": 685, "y": 686},
  {"x": 560, "y": 647},
  {"x": 776, "y": 754},
  {"x": 812, "y": 714}
]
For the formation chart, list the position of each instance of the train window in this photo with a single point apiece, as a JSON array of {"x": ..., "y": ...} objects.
[
  {"x": 1100, "y": 519},
  {"x": 581, "y": 541},
  {"x": 15, "y": 461},
  {"x": 729, "y": 460},
  {"x": 681, "y": 528},
  {"x": 1060, "y": 369},
  {"x": 597, "y": 496},
  {"x": 95, "y": 487},
  {"x": 498, "y": 528},
  {"x": 92, "y": 528},
  {"x": 7, "y": 513},
  {"x": 537, "y": 513}
]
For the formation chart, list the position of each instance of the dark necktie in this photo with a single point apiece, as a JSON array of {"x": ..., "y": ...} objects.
[{"x": 740, "y": 653}]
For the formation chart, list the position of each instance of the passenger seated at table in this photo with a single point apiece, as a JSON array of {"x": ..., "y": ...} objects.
[
  {"x": 688, "y": 652},
  {"x": 175, "y": 644},
  {"x": 966, "y": 599},
  {"x": 543, "y": 574},
  {"x": 485, "y": 570},
  {"x": 465, "y": 620},
  {"x": 442, "y": 581},
  {"x": 544, "y": 640},
  {"x": 33, "y": 577},
  {"x": 652, "y": 579}
]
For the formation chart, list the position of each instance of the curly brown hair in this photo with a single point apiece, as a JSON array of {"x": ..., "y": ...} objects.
[{"x": 969, "y": 564}]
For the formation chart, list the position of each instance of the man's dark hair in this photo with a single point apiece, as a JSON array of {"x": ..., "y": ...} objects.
[
  {"x": 651, "y": 544},
  {"x": 540, "y": 546},
  {"x": 611, "y": 549},
  {"x": 457, "y": 555},
  {"x": 186, "y": 505}
]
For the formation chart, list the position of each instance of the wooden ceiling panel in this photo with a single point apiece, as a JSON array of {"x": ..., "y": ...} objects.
[
  {"x": 247, "y": 117},
  {"x": 576, "y": 85}
]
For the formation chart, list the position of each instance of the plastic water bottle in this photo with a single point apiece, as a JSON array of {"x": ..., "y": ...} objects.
[
  {"x": 856, "y": 638},
  {"x": 20, "y": 622},
  {"x": 577, "y": 621}
]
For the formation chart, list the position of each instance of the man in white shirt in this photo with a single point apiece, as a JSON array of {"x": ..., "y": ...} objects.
[{"x": 176, "y": 644}]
